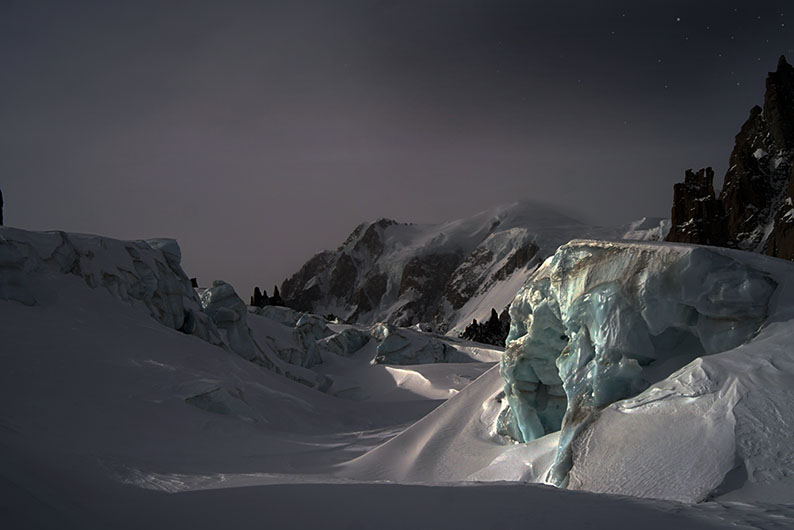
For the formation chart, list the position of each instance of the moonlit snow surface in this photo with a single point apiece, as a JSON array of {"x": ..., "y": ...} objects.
[{"x": 112, "y": 417}]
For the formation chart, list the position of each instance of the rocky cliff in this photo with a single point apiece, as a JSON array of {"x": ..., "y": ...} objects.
[{"x": 754, "y": 209}]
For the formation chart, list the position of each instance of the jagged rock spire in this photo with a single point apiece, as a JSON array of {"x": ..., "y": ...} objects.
[
  {"x": 753, "y": 211},
  {"x": 779, "y": 104},
  {"x": 694, "y": 201}
]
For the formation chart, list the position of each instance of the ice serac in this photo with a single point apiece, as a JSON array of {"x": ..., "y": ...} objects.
[
  {"x": 601, "y": 321},
  {"x": 142, "y": 273},
  {"x": 230, "y": 315},
  {"x": 407, "y": 346}
]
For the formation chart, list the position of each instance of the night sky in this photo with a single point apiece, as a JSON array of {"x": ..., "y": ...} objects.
[{"x": 258, "y": 133}]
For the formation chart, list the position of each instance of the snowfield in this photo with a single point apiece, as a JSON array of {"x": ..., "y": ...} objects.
[{"x": 126, "y": 408}]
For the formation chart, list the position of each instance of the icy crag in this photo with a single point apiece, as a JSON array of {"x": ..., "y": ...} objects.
[
  {"x": 148, "y": 276},
  {"x": 229, "y": 313},
  {"x": 146, "y": 273},
  {"x": 407, "y": 346},
  {"x": 600, "y": 322}
]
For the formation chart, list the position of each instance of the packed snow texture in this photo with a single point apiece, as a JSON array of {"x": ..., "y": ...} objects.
[{"x": 599, "y": 322}]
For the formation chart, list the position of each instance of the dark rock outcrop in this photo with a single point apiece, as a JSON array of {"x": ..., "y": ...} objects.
[
  {"x": 346, "y": 275},
  {"x": 258, "y": 299},
  {"x": 493, "y": 331},
  {"x": 370, "y": 294},
  {"x": 343, "y": 276},
  {"x": 423, "y": 280},
  {"x": 276, "y": 298},
  {"x": 520, "y": 257},
  {"x": 781, "y": 240},
  {"x": 752, "y": 211},
  {"x": 261, "y": 299},
  {"x": 299, "y": 289},
  {"x": 694, "y": 201}
]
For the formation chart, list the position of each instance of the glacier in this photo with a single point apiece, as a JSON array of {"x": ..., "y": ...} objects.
[
  {"x": 121, "y": 399},
  {"x": 600, "y": 322}
]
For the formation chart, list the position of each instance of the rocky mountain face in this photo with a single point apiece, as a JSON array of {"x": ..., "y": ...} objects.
[
  {"x": 441, "y": 276},
  {"x": 754, "y": 209}
]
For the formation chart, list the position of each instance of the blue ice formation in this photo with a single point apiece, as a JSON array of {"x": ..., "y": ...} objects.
[
  {"x": 230, "y": 314},
  {"x": 146, "y": 274},
  {"x": 601, "y": 321},
  {"x": 405, "y": 346}
]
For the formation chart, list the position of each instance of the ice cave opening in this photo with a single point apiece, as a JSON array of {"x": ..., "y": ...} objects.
[{"x": 600, "y": 322}]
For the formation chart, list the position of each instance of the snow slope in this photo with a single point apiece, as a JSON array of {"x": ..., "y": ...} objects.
[{"x": 732, "y": 418}]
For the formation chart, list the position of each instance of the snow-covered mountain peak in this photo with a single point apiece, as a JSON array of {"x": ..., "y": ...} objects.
[{"x": 441, "y": 274}]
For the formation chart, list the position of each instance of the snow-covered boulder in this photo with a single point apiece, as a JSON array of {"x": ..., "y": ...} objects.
[{"x": 599, "y": 322}]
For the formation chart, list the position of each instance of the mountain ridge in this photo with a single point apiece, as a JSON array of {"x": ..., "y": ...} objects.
[{"x": 439, "y": 275}]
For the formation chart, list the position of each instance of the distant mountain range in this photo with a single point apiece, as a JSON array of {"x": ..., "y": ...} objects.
[{"x": 439, "y": 275}]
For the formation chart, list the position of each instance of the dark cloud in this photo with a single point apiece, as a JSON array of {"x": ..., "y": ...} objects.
[{"x": 258, "y": 133}]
